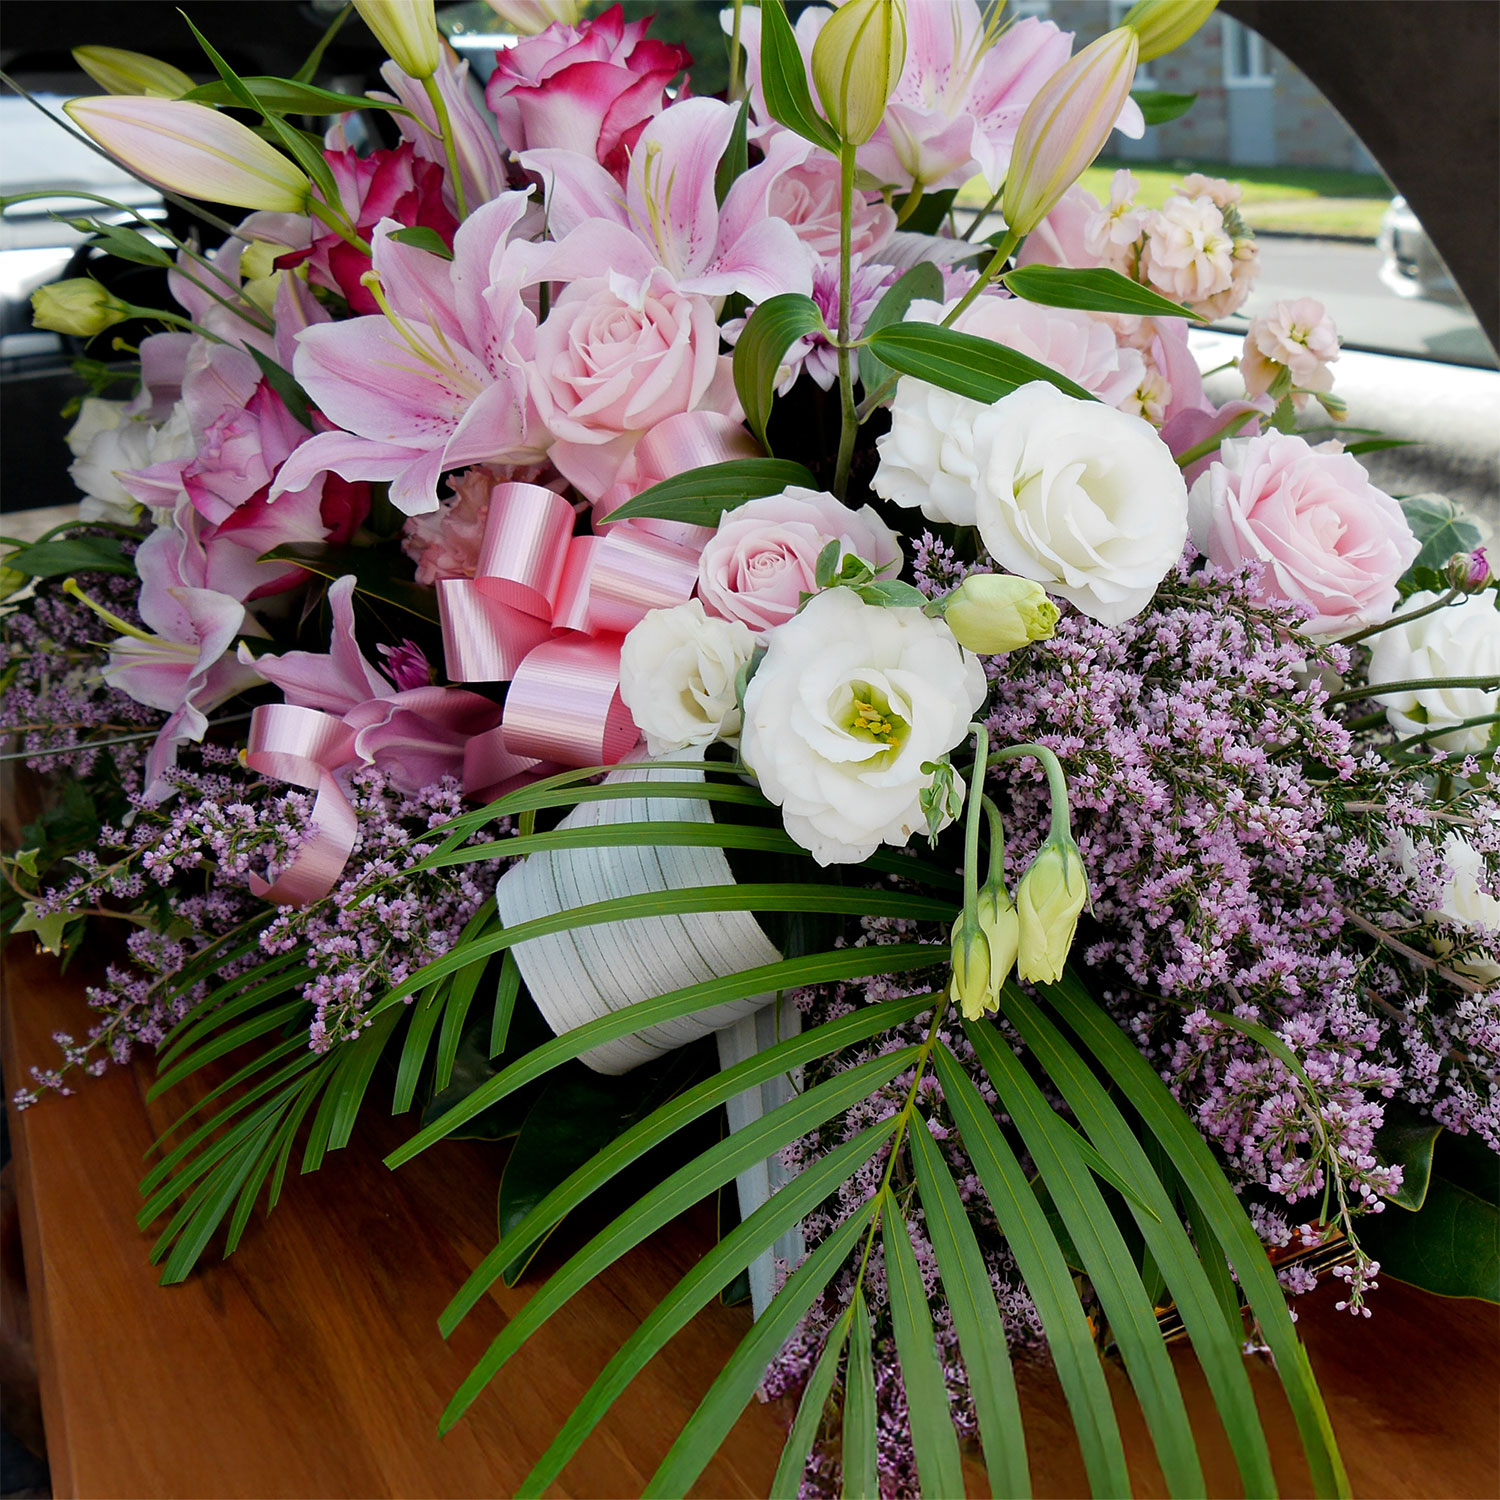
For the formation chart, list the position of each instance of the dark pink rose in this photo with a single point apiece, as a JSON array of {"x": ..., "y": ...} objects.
[{"x": 590, "y": 88}]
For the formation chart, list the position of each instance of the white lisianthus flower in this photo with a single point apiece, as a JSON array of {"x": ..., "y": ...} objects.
[
  {"x": 106, "y": 442},
  {"x": 1466, "y": 904},
  {"x": 848, "y": 703},
  {"x": 1462, "y": 640},
  {"x": 1086, "y": 500},
  {"x": 677, "y": 677}
]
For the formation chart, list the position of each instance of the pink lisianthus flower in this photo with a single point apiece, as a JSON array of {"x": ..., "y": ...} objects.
[
  {"x": 589, "y": 88},
  {"x": 397, "y": 185},
  {"x": 1328, "y": 538},
  {"x": 763, "y": 558},
  {"x": 1298, "y": 337},
  {"x": 415, "y": 734},
  {"x": 614, "y": 358}
]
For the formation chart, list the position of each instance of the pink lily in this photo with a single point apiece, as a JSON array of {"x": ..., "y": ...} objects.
[
  {"x": 437, "y": 381},
  {"x": 667, "y": 215},
  {"x": 417, "y": 734},
  {"x": 180, "y": 663}
]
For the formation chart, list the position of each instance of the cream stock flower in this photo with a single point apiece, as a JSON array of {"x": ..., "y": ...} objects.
[
  {"x": 849, "y": 702},
  {"x": 1188, "y": 254},
  {"x": 1296, "y": 336}
]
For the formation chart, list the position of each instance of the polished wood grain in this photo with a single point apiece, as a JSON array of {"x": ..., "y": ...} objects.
[{"x": 309, "y": 1364}]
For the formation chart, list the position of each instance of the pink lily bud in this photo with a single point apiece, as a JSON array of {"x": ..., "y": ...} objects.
[
  {"x": 190, "y": 148},
  {"x": 407, "y": 30},
  {"x": 1066, "y": 125},
  {"x": 1164, "y": 25},
  {"x": 529, "y": 17}
]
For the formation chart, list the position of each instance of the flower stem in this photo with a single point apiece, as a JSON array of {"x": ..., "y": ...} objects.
[
  {"x": 1416, "y": 614},
  {"x": 977, "y": 800},
  {"x": 736, "y": 80},
  {"x": 849, "y": 423},
  {"x": 1415, "y": 685},
  {"x": 1213, "y": 440},
  {"x": 990, "y": 272},
  {"x": 450, "y": 147},
  {"x": 1057, "y": 782}
]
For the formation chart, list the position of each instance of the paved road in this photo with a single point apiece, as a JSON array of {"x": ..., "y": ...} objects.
[{"x": 1346, "y": 279}]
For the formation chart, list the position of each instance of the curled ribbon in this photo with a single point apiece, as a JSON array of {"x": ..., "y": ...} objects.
[{"x": 547, "y": 611}]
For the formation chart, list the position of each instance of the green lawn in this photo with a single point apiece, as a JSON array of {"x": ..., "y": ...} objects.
[{"x": 1306, "y": 200}]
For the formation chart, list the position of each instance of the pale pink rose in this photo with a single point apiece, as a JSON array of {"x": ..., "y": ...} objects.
[
  {"x": 1062, "y": 238},
  {"x": 1297, "y": 336},
  {"x": 1073, "y": 343},
  {"x": 1188, "y": 254},
  {"x": 590, "y": 88},
  {"x": 764, "y": 556},
  {"x": 807, "y": 198},
  {"x": 1328, "y": 538},
  {"x": 616, "y": 357}
]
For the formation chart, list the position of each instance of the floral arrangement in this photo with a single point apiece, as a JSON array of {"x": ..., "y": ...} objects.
[{"x": 613, "y": 540}]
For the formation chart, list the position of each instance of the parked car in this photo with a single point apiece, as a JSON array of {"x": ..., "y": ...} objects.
[{"x": 1411, "y": 266}]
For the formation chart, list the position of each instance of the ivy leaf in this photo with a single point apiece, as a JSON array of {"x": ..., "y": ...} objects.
[
  {"x": 701, "y": 496},
  {"x": 772, "y": 329},
  {"x": 1158, "y": 106},
  {"x": 923, "y": 283},
  {"x": 1442, "y": 527},
  {"x": 49, "y": 930},
  {"x": 1092, "y": 289}
]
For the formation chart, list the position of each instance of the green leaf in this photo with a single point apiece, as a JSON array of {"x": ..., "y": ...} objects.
[
  {"x": 891, "y": 592},
  {"x": 922, "y": 283},
  {"x": 1046, "y": 1274},
  {"x": 783, "y": 76},
  {"x": 129, "y": 244},
  {"x": 281, "y": 380},
  {"x": 246, "y": 1031},
  {"x": 1158, "y": 107},
  {"x": 667, "y": 1120},
  {"x": 351, "y": 1082},
  {"x": 461, "y": 994},
  {"x": 1379, "y": 445},
  {"x": 939, "y": 1467},
  {"x": 859, "y": 1453},
  {"x": 379, "y": 573},
  {"x": 49, "y": 929},
  {"x": 68, "y": 555},
  {"x": 473, "y": 1067},
  {"x": 737, "y": 1382},
  {"x": 976, "y": 1318},
  {"x": 1450, "y": 1246},
  {"x": 1215, "y": 1342},
  {"x": 507, "y": 988},
  {"x": 787, "y": 1482},
  {"x": 1407, "y": 1139},
  {"x": 714, "y": 1271},
  {"x": 700, "y": 1177},
  {"x": 963, "y": 363},
  {"x": 1204, "y": 1180},
  {"x": 736, "y": 159},
  {"x": 1442, "y": 527},
  {"x": 701, "y": 496},
  {"x": 576, "y": 1116},
  {"x": 284, "y": 96},
  {"x": 423, "y": 238},
  {"x": 768, "y": 333},
  {"x": 1106, "y": 1258},
  {"x": 1092, "y": 289}
]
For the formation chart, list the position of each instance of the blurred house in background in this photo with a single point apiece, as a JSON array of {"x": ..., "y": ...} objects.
[{"x": 1254, "y": 108}]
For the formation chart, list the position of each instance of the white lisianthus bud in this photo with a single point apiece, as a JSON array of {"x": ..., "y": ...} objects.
[
  {"x": 1164, "y": 25},
  {"x": 117, "y": 71},
  {"x": 407, "y": 29},
  {"x": 1001, "y": 925},
  {"x": 1052, "y": 893},
  {"x": 995, "y": 612},
  {"x": 971, "y": 985},
  {"x": 79, "y": 306},
  {"x": 856, "y": 65},
  {"x": 678, "y": 670}
]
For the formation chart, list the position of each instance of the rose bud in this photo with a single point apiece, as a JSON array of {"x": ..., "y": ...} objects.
[
  {"x": 81, "y": 307},
  {"x": 1049, "y": 899},
  {"x": 995, "y": 612},
  {"x": 1470, "y": 571}
]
